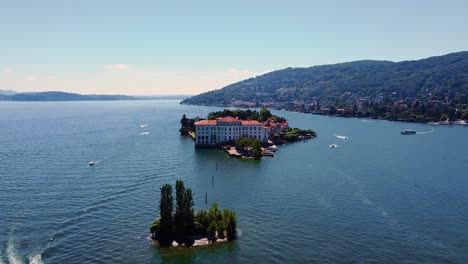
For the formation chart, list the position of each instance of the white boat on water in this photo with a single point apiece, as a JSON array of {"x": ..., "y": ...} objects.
[{"x": 273, "y": 148}]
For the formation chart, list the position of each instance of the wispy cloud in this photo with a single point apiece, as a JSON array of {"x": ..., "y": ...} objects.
[
  {"x": 241, "y": 72},
  {"x": 40, "y": 77},
  {"x": 246, "y": 72},
  {"x": 116, "y": 67}
]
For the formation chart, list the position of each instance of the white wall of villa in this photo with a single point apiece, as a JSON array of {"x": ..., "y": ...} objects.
[{"x": 213, "y": 132}]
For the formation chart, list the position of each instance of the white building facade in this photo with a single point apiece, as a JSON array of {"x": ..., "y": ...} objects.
[{"x": 227, "y": 129}]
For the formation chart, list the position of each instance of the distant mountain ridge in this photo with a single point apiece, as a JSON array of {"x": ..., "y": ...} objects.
[
  {"x": 443, "y": 78},
  {"x": 7, "y": 92},
  {"x": 9, "y": 95},
  {"x": 61, "y": 96}
]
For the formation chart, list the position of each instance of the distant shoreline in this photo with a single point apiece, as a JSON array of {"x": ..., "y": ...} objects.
[
  {"x": 444, "y": 123},
  {"x": 94, "y": 100},
  {"x": 50, "y": 96}
]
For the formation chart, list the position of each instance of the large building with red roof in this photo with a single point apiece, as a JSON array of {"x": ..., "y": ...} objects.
[{"x": 227, "y": 129}]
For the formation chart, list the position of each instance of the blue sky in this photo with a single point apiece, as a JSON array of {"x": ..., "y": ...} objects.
[{"x": 187, "y": 47}]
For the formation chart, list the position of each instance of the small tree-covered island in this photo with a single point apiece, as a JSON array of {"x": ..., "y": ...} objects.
[
  {"x": 187, "y": 227},
  {"x": 242, "y": 133}
]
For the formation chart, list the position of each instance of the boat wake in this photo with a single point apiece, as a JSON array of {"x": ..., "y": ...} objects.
[
  {"x": 143, "y": 125},
  {"x": 239, "y": 232},
  {"x": 341, "y": 137},
  {"x": 1, "y": 257},
  {"x": 37, "y": 259},
  {"x": 12, "y": 253},
  {"x": 144, "y": 133},
  {"x": 367, "y": 121},
  {"x": 425, "y": 132}
]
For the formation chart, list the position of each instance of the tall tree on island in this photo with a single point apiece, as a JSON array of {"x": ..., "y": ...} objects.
[
  {"x": 184, "y": 128},
  {"x": 189, "y": 212},
  {"x": 184, "y": 215},
  {"x": 179, "y": 216},
  {"x": 183, "y": 121},
  {"x": 166, "y": 225}
]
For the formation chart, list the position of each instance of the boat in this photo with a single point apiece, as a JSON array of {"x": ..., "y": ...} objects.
[
  {"x": 333, "y": 146},
  {"x": 273, "y": 148},
  {"x": 408, "y": 132},
  {"x": 91, "y": 163}
]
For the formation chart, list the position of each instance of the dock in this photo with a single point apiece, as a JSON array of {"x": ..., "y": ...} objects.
[{"x": 232, "y": 152}]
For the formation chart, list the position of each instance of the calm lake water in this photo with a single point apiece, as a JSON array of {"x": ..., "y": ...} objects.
[{"x": 377, "y": 197}]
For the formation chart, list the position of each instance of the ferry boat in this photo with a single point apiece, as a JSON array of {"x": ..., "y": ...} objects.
[{"x": 408, "y": 132}]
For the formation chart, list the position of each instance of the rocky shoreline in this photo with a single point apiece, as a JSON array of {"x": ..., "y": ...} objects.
[{"x": 450, "y": 123}]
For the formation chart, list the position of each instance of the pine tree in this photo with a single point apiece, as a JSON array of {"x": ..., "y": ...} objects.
[
  {"x": 179, "y": 217},
  {"x": 166, "y": 223}
]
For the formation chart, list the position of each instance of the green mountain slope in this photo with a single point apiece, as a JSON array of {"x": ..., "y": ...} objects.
[{"x": 443, "y": 78}]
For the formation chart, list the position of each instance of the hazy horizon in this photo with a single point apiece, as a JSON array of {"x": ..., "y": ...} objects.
[
  {"x": 159, "y": 48},
  {"x": 135, "y": 95}
]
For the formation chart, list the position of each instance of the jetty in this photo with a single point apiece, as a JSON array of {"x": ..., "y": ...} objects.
[{"x": 232, "y": 152}]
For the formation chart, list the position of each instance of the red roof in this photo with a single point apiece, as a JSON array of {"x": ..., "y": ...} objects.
[
  {"x": 251, "y": 123},
  {"x": 227, "y": 119},
  {"x": 206, "y": 123}
]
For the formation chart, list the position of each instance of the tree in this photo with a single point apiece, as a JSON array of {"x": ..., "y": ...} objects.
[
  {"x": 156, "y": 227},
  {"x": 184, "y": 216},
  {"x": 183, "y": 121},
  {"x": 189, "y": 215},
  {"x": 465, "y": 114},
  {"x": 166, "y": 223},
  {"x": 253, "y": 143},
  {"x": 230, "y": 223},
  {"x": 179, "y": 216},
  {"x": 211, "y": 231},
  {"x": 187, "y": 125},
  {"x": 451, "y": 112},
  {"x": 185, "y": 223},
  {"x": 265, "y": 114},
  {"x": 257, "y": 150},
  {"x": 443, "y": 117}
]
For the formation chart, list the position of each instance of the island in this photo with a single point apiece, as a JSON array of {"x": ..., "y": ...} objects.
[
  {"x": 242, "y": 133},
  {"x": 186, "y": 227},
  {"x": 432, "y": 90}
]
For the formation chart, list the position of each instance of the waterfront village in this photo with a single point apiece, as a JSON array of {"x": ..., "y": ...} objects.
[{"x": 242, "y": 133}]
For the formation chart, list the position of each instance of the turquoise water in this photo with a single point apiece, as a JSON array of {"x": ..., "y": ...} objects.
[{"x": 377, "y": 197}]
